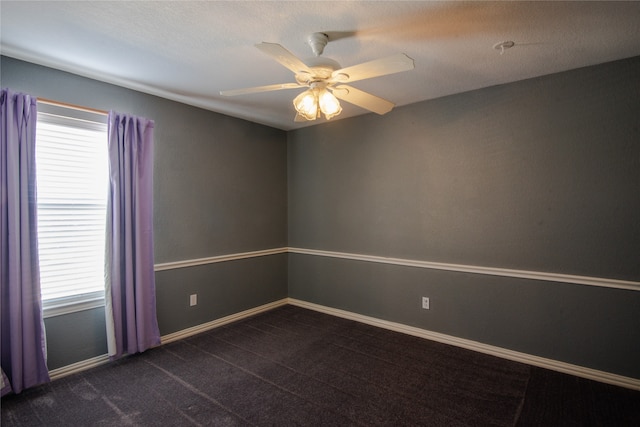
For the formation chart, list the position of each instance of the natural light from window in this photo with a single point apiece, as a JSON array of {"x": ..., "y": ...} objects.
[{"x": 72, "y": 183}]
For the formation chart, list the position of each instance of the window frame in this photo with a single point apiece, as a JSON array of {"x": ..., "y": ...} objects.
[{"x": 95, "y": 120}]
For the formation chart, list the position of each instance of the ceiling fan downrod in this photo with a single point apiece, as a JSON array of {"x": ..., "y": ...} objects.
[{"x": 318, "y": 41}]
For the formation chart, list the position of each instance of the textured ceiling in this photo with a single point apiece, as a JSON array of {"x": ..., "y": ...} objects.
[{"x": 190, "y": 51}]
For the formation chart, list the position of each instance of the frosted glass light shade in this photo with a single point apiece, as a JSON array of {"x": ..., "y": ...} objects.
[
  {"x": 329, "y": 104},
  {"x": 307, "y": 104}
]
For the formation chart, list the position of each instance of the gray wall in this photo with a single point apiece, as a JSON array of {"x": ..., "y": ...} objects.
[
  {"x": 219, "y": 188},
  {"x": 540, "y": 175}
]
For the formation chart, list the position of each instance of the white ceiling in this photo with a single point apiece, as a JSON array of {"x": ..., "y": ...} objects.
[{"x": 189, "y": 51}]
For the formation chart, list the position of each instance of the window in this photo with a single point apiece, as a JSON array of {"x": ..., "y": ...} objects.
[{"x": 72, "y": 184}]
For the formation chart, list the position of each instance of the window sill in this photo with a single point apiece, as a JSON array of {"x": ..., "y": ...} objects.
[{"x": 62, "y": 306}]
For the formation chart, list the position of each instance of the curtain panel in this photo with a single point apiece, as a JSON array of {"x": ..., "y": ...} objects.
[
  {"x": 23, "y": 349},
  {"x": 129, "y": 274}
]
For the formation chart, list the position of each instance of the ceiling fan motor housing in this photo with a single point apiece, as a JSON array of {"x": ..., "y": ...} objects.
[{"x": 321, "y": 68}]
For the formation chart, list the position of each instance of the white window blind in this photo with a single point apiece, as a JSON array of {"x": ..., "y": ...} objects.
[{"x": 72, "y": 181}]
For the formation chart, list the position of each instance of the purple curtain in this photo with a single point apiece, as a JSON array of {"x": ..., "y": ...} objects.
[
  {"x": 23, "y": 351},
  {"x": 130, "y": 282}
]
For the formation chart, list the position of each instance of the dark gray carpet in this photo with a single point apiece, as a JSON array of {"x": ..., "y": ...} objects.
[{"x": 292, "y": 366}]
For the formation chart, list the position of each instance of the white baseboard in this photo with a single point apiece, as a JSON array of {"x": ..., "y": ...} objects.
[
  {"x": 219, "y": 322},
  {"x": 74, "y": 368},
  {"x": 567, "y": 368},
  {"x": 83, "y": 365}
]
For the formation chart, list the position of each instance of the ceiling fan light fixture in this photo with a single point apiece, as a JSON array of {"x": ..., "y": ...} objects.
[
  {"x": 310, "y": 103},
  {"x": 324, "y": 77}
]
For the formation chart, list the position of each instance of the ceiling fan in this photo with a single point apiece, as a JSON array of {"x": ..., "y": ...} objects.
[{"x": 325, "y": 80}]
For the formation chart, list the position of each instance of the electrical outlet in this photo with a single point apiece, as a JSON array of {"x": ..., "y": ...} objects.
[
  {"x": 193, "y": 300},
  {"x": 425, "y": 303}
]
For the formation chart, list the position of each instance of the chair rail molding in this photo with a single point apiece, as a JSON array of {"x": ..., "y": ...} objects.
[{"x": 521, "y": 274}]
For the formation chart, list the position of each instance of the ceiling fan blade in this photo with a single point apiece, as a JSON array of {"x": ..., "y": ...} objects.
[
  {"x": 257, "y": 89},
  {"x": 284, "y": 57},
  {"x": 375, "y": 68},
  {"x": 362, "y": 99}
]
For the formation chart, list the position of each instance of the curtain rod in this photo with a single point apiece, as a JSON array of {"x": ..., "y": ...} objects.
[{"x": 75, "y": 107}]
